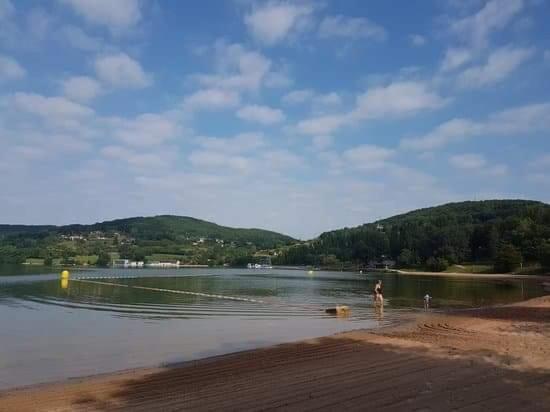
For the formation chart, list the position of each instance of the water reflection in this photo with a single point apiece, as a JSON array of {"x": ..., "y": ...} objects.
[
  {"x": 76, "y": 328},
  {"x": 279, "y": 294}
]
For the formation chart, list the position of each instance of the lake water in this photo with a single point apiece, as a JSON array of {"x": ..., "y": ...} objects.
[{"x": 108, "y": 320}]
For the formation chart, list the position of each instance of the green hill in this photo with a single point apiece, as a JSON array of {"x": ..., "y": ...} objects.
[
  {"x": 175, "y": 237},
  {"x": 500, "y": 233},
  {"x": 158, "y": 228},
  {"x": 178, "y": 228}
]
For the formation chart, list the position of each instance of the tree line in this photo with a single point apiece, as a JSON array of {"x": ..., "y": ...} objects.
[{"x": 505, "y": 234}]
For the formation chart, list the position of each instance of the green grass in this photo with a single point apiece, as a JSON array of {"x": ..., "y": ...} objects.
[
  {"x": 86, "y": 259},
  {"x": 34, "y": 261},
  {"x": 165, "y": 256},
  {"x": 470, "y": 268}
]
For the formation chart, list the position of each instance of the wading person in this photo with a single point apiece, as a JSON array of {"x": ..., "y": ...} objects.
[
  {"x": 378, "y": 297},
  {"x": 427, "y": 300}
]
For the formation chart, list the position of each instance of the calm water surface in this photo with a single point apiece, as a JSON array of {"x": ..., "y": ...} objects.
[{"x": 114, "y": 319}]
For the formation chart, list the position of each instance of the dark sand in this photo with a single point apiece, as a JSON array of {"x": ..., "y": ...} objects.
[{"x": 477, "y": 360}]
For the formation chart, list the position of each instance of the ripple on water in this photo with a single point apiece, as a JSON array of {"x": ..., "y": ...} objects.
[{"x": 123, "y": 299}]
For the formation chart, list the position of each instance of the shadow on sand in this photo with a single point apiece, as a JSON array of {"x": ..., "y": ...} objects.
[{"x": 334, "y": 373}]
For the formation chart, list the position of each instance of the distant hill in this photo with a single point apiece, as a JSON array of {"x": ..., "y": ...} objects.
[
  {"x": 435, "y": 237},
  {"x": 164, "y": 227},
  {"x": 167, "y": 238}
]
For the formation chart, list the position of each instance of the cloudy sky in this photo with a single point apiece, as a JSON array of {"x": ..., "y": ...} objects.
[{"x": 294, "y": 116}]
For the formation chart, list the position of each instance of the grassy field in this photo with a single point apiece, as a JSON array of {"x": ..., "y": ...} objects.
[
  {"x": 468, "y": 268},
  {"x": 164, "y": 257},
  {"x": 34, "y": 261},
  {"x": 85, "y": 259}
]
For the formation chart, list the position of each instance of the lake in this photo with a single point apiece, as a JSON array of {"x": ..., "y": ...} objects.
[{"x": 112, "y": 319}]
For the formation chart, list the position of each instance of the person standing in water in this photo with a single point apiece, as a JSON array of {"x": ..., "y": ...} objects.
[
  {"x": 427, "y": 299},
  {"x": 378, "y": 297}
]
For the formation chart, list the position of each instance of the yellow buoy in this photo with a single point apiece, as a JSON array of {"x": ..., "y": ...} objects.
[{"x": 65, "y": 274}]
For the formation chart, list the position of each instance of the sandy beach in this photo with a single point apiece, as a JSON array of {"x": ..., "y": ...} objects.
[
  {"x": 475, "y": 360},
  {"x": 471, "y": 275}
]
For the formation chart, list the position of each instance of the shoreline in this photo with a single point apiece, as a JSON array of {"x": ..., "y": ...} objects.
[
  {"x": 55, "y": 269},
  {"x": 505, "y": 350},
  {"x": 470, "y": 275}
]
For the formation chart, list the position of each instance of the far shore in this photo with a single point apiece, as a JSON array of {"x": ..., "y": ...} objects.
[
  {"x": 545, "y": 276},
  {"x": 483, "y": 359}
]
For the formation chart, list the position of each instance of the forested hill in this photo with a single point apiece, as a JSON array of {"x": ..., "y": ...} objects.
[
  {"x": 503, "y": 233},
  {"x": 158, "y": 238},
  {"x": 165, "y": 227}
]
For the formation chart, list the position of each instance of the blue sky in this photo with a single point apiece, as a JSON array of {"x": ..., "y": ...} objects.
[{"x": 296, "y": 116}]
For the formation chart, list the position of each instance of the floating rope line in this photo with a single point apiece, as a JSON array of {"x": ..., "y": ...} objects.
[
  {"x": 179, "y": 292},
  {"x": 94, "y": 280}
]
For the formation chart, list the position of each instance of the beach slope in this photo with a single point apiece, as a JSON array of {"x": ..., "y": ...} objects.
[{"x": 476, "y": 360}]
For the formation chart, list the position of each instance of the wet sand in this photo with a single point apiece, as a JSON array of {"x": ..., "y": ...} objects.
[{"x": 475, "y": 360}]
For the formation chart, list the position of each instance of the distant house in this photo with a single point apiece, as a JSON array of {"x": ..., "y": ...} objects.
[
  {"x": 126, "y": 263},
  {"x": 382, "y": 263},
  {"x": 164, "y": 264},
  {"x": 121, "y": 263}
]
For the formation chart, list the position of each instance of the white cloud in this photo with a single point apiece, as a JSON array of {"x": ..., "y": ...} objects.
[
  {"x": 6, "y": 9},
  {"x": 30, "y": 152},
  {"x": 539, "y": 178},
  {"x": 273, "y": 22},
  {"x": 477, "y": 163},
  {"x": 394, "y": 100},
  {"x": 10, "y": 69},
  {"x": 500, "y": 64},
  {"x": 50, "y": 108},
  {"x": 322, "y": 142},
  {"x": 298, "y": 96},
  {"x": 261, "y": 114},
  {"x": 243, "y": 142},
  {"x": 521, "y": 120},
  {"x": 211, "y": 99},
  {"x": 497, "y": 170},
  {"x": 456, "y": 57},
  {"x": 397, "y": 99},
  {"x": 450, "y": 131},
  {"x": 368, "y": 157},
  {"x": 79, "y": 39},
  {"x": 326, "y": 124},
  {"x": 495, "y": 15},
  {"x": 118, "y": 16},
  {"x": 81, "y": 88},
  {"x": 238, "y": 68},
  {"x": 38, "y": 23},
  {"x": 468, "y": 161},
  {"x": 120, "y": 70},
  {"x": 138, "y": 159},
  {"x": 320, "y": 102},
  {"x": 351, "y": 27},
  {"x": 215, "y": 160},
  {"x": 281, "y": 160},
  {"x": 278, "y": 79},
  {"x": 417, "y": 40},
  {"x": 329, "y": 99},
  {"x": 147, "y": 129},
  {"x": 542, "y": 162}
]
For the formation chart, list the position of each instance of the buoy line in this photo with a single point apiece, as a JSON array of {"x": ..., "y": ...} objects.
[
  {"x": 180, "y": 292},
  {"x": 94, "y": 280}
]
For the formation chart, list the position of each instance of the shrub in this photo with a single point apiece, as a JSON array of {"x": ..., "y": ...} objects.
[
  {"x": 437, "y": 264},
  {"x": 507, "y": 259}
]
